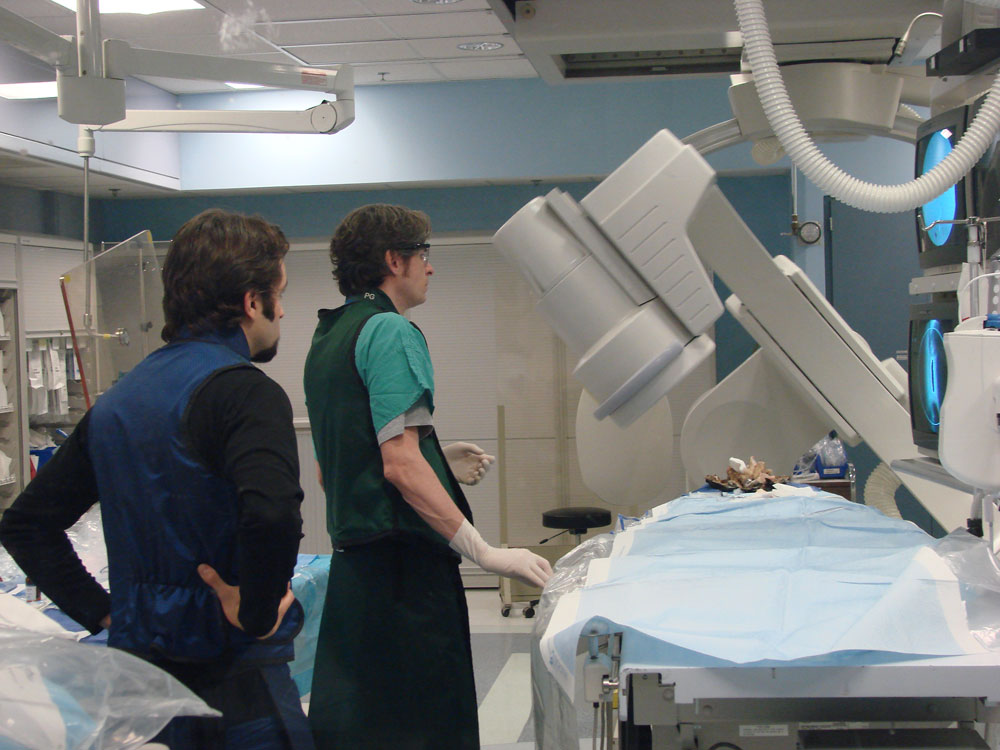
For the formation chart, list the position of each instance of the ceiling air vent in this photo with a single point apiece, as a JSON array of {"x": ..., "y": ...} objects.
[{"x": 652, "y": 62}]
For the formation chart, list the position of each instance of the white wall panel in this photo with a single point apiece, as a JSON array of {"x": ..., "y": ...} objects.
[
  {"x": 41, "y": 268},
  {"x": 316, "y": 540},
  {"x": 458, "y": 322},
  {"x": 8, "y": 261},
  {"x": 310, "y": 287}
]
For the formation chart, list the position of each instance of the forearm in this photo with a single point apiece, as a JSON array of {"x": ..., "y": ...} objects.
[
  {"x": 269, "y": 534},
  {"x": 33, "y": 530},
  {"x": 48, "y": 558},
  {"x": 423, "y": 491},
  {"x": 408, "y": 471}
]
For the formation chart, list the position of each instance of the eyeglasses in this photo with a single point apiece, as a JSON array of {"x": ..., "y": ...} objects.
[{"x": 421, "y": 249}]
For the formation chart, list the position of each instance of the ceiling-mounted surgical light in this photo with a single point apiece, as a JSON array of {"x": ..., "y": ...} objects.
[
  {"x": 140, "y": 7},
  {"x": 36, "y": 90}
]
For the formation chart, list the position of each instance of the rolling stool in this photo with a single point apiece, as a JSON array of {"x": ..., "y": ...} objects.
[{"x": 575, "y": 520}]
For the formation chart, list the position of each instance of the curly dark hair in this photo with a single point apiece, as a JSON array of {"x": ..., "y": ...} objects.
[
  {"x": 357, "y": 249},
  {"x": 213, "y": 260}
]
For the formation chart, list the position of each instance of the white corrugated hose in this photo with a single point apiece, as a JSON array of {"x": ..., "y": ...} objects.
[
  {"x": 880, "y": 491},
  {"x": 828, "y": 177}
]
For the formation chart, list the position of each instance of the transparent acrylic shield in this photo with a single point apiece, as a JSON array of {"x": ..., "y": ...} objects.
[{"x": 114, "y": 306}]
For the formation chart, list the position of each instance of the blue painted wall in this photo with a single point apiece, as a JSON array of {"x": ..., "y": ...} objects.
[
  {"x": 44, "y": 212},
  {"x": 474, "y": 130}
]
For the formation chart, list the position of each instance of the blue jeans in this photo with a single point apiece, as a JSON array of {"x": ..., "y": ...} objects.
[{"x": 260, "y": 707}]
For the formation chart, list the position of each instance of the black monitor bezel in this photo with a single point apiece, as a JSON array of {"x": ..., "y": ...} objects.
[
  {"x": 955, "y": 249},
  {"x": 919, "y": 313}
]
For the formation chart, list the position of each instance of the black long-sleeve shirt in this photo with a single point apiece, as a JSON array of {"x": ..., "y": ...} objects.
[{"x": 239, "y": 424}]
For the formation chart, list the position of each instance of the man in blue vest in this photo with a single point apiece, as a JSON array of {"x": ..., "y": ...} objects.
[
  {"x": 192, "y": 456},
  {"x": 393, "y": 661}
]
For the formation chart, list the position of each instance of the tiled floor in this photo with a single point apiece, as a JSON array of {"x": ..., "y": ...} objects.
[{"x": 500, "y": 658}]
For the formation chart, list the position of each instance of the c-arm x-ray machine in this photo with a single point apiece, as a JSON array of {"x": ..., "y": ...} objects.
[{"x": 665, "y": 214}]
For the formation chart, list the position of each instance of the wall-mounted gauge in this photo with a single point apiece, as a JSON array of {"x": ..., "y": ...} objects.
[{"x": 809, "y": 232}]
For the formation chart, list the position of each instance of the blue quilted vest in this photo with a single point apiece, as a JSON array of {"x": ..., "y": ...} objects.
[{"x": 164, "y": 512}]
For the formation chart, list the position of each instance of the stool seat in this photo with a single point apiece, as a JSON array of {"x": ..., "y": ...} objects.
[{"x": 578, "y": 518}]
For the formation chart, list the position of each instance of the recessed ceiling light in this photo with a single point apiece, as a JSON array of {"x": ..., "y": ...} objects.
[
  {"x": 480, "y": 46},
  {"x": 234, "y": 85},
  {"x": 39, "y": 90},
  {"x": 141, "y": 7}
]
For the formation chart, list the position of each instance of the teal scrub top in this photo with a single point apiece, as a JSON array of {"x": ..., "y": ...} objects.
[{"x": 392, "y": 359}]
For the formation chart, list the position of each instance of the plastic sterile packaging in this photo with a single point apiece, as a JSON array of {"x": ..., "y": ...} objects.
[
  {"x": 57, "y": 694},
  {"x": 554, "y": 712},
  {"x": 827, "y": 459}
]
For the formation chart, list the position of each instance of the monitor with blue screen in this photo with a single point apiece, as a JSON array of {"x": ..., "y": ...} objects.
[
  {"x": 944, "y": 244},
  {"x": 928, "y": 368}
]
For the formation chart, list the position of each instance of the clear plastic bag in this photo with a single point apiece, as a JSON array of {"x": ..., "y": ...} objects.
[
  {"x": 827, "y": 459},
  {"x": 87, "y": 538},
  {"x": 62, "y": 695},
  {"x": 553, "y": 711},
  {"x": 978, "y": 573}
]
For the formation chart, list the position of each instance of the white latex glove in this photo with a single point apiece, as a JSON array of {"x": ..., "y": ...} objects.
[
  {"x": 469, "y": 463},
  {"x": 521, "y": 564}
]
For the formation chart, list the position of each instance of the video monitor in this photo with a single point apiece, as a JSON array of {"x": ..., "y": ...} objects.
[
  {"x": 944, "y": 244},
  {"x": 928, "y": 368}
]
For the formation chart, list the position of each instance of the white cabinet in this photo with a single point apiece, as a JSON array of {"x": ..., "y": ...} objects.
[{"x": 13, "y": 461}]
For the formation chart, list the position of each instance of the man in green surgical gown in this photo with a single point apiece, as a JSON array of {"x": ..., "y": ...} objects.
[{"x": 393, "y": 663}]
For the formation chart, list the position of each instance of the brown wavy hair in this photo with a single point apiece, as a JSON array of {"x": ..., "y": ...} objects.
[
  {"x": 357, "y": 249},
  {"x": 213, "y": 260}
]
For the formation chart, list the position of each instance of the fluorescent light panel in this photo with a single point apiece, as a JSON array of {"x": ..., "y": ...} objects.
[
  {"x": 141, "y": 7},
  {"x": 235, "y": 85},
  {"x": 38, "y": 90}
]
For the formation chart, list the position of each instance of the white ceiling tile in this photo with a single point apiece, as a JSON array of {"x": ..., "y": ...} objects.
[
  {"x": 437, "y": 49},
  {"x": 201, "y": 44},
  {"x": 64, "y": 25},
  {"x": 368, "y": 75},
  {"x": 291, "y": 10},
  {"x": 516, "y": 67},
  {"x": 476, "y": 23},
  {"x": 327, "y": 32},
  {"x": 402, "y": 7},
  {"x": 182, "y": 22},
  {"x": 35, "y": 9},
  {"x": 67, "y": 179},
  {"x": 356, "y": 53},
  {"x": 9, "y": 160}
]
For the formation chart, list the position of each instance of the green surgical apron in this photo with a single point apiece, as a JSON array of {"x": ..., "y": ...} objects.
[{"x": 393, "y": 662}]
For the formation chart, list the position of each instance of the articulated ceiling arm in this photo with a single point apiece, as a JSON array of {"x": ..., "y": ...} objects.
[
  {"x": 328, "y": 117},
  {"x": 36, "y": 41},
  {"x": 98, "y": 101}
]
